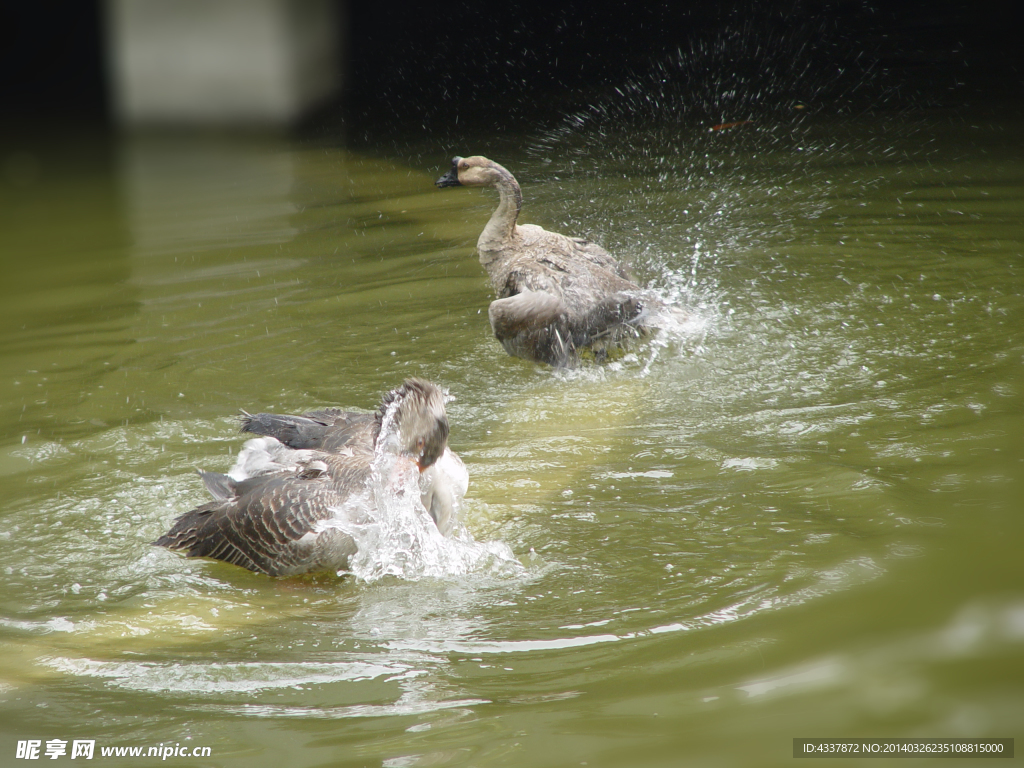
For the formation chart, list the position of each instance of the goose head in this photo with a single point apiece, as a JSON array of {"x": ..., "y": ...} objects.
[
  {"x": 413, "y": 422},
  {"x": 476, "y": 171}
]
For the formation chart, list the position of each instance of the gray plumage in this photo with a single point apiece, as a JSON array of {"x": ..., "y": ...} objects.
[
  {"x": 557, "y": 295},
  {"x": 268, "y": 512},
  {"x": 326, "y": 430}
]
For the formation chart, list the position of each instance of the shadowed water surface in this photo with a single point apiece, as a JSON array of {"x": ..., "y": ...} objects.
[{"x": 798, "y": 516}]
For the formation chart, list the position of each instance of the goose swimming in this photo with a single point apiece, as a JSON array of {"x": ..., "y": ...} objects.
[
  {"x": 273, "y": 512},
  {"x": 557, "y": 295}
]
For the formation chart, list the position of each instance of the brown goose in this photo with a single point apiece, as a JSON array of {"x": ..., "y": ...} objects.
[
  {"x": 557, "y": 295},
  {"x": 268, "y": 513}
]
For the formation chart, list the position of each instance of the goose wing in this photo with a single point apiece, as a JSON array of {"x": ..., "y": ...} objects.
[
  {"x": 533, "y": 325},
  {"x": 270, "y": 523},
  {"x": 326, "y": 430},
  {"x": 522, "y": 311}
]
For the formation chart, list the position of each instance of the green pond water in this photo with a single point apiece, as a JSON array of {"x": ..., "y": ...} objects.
[{"x": 800, "y": 515}]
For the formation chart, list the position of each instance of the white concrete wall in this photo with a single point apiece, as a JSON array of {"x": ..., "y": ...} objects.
[{"x": 221, "y": 62}]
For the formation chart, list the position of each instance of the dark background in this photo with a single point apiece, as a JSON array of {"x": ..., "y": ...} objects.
[{"x": 420, "y": 65}]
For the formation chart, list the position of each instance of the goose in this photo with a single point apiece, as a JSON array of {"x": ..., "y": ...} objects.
[
  {"x": 557, "y": 295},
  {"x": 269, "y": 511}
]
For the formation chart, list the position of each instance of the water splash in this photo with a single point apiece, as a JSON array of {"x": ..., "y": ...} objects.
[
  {"x": 723, "y": 146},
  {"x": 396, "y": 535}
]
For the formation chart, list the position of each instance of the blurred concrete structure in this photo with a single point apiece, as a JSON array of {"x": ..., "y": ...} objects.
[{"x": 221, "y": 62}]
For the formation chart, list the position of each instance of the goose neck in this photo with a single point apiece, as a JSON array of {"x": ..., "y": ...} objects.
[{"x": 501, "y": 229}]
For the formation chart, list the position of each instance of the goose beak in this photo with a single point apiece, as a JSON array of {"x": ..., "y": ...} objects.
[{"x": 450, "y": 179}]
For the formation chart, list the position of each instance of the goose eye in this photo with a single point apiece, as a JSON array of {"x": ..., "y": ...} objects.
[{"x": 420, "y": 442}]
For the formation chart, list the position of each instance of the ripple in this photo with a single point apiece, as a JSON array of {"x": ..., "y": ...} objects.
[
  {"x": 242, "y": 677},
  {"x": 849, "y": 574}
]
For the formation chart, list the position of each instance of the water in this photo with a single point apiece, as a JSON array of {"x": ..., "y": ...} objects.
[{"x": 798, "y": 517}]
